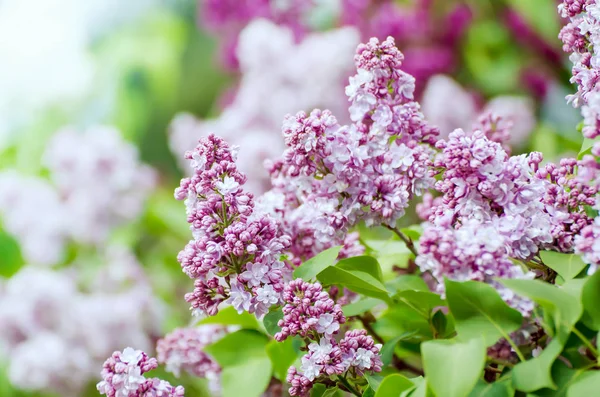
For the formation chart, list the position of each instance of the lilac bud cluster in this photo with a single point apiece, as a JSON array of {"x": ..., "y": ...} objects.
[
  {"x": 309, "y": 312},
  {"x": 235, "y": 256},
  {"x": 123, "y": 376}
]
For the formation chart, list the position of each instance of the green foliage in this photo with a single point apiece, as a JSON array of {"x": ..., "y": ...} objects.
[
  {"x": 568, "y": 266},
  {"x": 246, "y": 364},
  {"x": 393, "y": 385},
  {"x": 315, "y": 265},
  {"x": 480, "y": 312},
  {"x": 452, "y": 367}
]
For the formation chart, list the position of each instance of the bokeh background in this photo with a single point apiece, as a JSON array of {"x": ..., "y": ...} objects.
[{"x": 99, "y": 99}]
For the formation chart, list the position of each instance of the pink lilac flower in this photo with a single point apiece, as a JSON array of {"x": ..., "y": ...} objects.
[
  {"x": 122, "y": 376},
  {"x": 183, "y": 350},
  {"x": 235, "y": 256},
  {"x": 332, "y": 176},
  {"x": 475, "y": 251},
  {"x": 354, "y": 355},
  {"x": 581, "y": 38},
  {"x": 308, "y": 310}
]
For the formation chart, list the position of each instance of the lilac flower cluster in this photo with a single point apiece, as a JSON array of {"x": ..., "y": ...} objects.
[
  {"x": 123, "y": 376},
  {"x": 98, "y": 184},
  {"x": 183, "y": 349},
  {"x": 475, "y": 251},
  {"x": 235, "y": 256},
  {"x": 287, "y": 76},
  {"x": 55, "y": 337},
  {"x": 581, "y": 38},
  {"x": 310, "y": 313},
  {"x": 333, "y": 176}
]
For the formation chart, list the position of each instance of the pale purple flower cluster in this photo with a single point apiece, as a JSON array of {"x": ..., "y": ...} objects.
[
  {"x": 567, "y": 197},
  {"x": 123, "y": 376},
  {"x": 55, "y": 337},
  {"x": 587, "y": 242},
  {"x": 505, "y": 119},
  {"x": 310, "y": 313},
  {"x": 475, "y": 251},
  {"x": 581, "y": 38},
  {"x": 332, "y": 176},
  {"x": 183, "y": 350},
  {"x": 480, "y": 181},
  {"x": 235, "y": 255},
  {"x": 287, "y": 76},
  {"x": 100, "y": 179}
]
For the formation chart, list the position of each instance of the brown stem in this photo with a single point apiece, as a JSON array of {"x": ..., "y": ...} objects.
[
  {"x": 400, "y": 364},
  {"x": 407, "y": 240}
]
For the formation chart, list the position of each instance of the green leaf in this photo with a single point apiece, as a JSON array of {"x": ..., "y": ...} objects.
[
  {"x": 564, "y": 308},
  {"x": 246, "y": 366},
  {"x": 374, "y": 380},
  {"x": 407, "y": 282},
  {"x": 271, "y": 319},
  {"x": 501, "y": 388},
  {"x": 564, "y": 377},
  {"x": 591, "y": 299},
  {"x": 413, "y": 232},
  {"x": 422, "y": 301},
  {"x": 390, "y": 252},
  {"x": 568, "y": 266},
  {"x": 238, "y": 347},
  {"x": 229, "y": 316},
  {"x": 439, "y": 322},
  {"x": 366, "y": 264},
  {"x": 248, "y": 379},
  {"x": 393, "y": 385},
  {"x": 363, "y": 305},
  {"x": 479, "y": 311},
  {"x": 368, "y": 392},
  {"x": 452, "y": 368},
  {"x": 586, "y": 147},
  {"x": 282, "y": 355},
  {"x": 309, "y": 269},
  {"x": 318, "y": 390},
  {"x": 387, "y": 351},
  {"x": 587, "y": 385},
  {"x": 349, "y": 274},
  {"x": 333, "y": 392}
]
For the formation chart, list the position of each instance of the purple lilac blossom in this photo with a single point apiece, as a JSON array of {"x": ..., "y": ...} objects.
[
  {"x": 183, "y": 350},
  {"x": 581, "y": 38},
  {"x": 332, "y": 176},
  {"x": 123, "y": 376},
  {"x": 310, "y": 313},
  {"x": 235, "y": 254}
]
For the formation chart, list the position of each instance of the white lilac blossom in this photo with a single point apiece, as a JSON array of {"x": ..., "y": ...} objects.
[
  {"x": 123, "y": 376},
  {"x": 100, "y": 179},
  {"x": 581, "y": 38},
  {"x": 55, "y": 336},
  {"x": 235, "y": 254},
  {"x": 183, "y": 350},
  {"x": 449, "y": 106},
  {"x": 287, "y": 77},
  {"x": 333, "y": 176}
]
